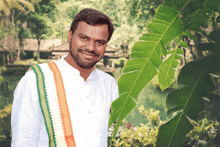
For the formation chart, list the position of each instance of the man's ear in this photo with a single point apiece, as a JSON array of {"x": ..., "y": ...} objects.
[{"x": 69, "y": 37}]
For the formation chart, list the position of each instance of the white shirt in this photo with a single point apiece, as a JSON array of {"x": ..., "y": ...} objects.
[{"x": 88, "y": 101}]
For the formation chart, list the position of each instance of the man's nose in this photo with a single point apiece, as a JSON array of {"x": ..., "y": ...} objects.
[{"x": 90, "y": 46}]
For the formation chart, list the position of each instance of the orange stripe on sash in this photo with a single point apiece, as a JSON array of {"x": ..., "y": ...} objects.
[{"x": 66, "y": 122}]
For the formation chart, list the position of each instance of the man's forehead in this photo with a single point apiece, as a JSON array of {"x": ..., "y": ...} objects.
[{"x": 99, "y": 31}]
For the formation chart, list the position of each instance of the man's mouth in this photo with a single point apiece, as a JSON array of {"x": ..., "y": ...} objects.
[{"x": 88, "y": 53}]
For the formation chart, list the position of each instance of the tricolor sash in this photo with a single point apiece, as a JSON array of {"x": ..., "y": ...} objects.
[{"x": 53, "y": 103}]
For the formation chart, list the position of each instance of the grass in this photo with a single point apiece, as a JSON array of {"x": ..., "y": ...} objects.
[{"x": 4, "y": 142}]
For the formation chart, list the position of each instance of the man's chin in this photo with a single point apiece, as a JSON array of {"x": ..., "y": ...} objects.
[{"x": 86, "y": 65}]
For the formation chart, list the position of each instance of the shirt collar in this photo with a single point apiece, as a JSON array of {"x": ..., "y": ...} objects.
[
  {"x": 73, "y": 70},
  {"x": 93, "y": 73}
]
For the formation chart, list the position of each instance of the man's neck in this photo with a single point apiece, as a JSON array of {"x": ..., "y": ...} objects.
[{"x": 84, "y": 73}]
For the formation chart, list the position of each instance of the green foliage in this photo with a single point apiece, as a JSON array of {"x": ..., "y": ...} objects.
[
  {"x": 31, "y": 61},
  {"x": 198, "y": 12},
  {"x": 205, "y": 132},
  {"x": 145, "y": 58},
  {"x": 38, "y": 25},
  {"x": 169, "y": 133},
  {"x": 124, "y": 34},
  {"x": 171, "y": 21},
  {"x": 5, "y": 118},
  {"x": 7, "y": 6},
  {"x": 195, "y": 84},
  {"x": 218, "y": 19},
  {"x": 144, "y": 135},
  {"x": 141, "y": 11},
  {"x": 1, "y": 78},
  {"x": 190, "y": 35},
  {"x": 167, "y": 68},
  {"x": 212, "y": 47}
]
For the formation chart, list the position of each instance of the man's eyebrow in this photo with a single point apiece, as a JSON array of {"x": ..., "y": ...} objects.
[
  {"x": 104, "y": 41},
  {"x": 81, "y": 34}
]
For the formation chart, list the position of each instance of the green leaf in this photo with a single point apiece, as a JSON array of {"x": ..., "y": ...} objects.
[
  {"x": 188, "y": 100},
  {"x": 198, "y": 13},
  {"x": 194, "y": 74},
  {"x": 212, "y": 47},
  {"x": 183, "y": 44},
  {"x": 27, "y": 4},
  {"x": 211, "y": 63},
  {"x": 169, "y": 133},
  {"x": 185, "y": 99},
  {"x": 166, "y": 69},
  {"x": 218, "y": 19},
  {"x": 215, "y": 36},
  {"x": 176, "y": 4},
  {"x": 187, "y": 33},
  {"x": 145, "y": 61}
]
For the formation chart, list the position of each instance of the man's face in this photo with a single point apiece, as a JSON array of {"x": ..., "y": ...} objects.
[{"x": 88, "y": 43}]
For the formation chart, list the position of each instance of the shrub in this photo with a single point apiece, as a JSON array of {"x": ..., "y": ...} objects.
[
  {"x": 5, "y": 119},
  {"x": 205, "y": 133},
  {"x": 144, "y": 135}
]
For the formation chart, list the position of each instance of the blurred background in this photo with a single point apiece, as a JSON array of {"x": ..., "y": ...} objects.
[{"x": 35, "y": 31}]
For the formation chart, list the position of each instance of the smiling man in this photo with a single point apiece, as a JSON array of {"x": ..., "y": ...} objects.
[{"x": 66, "y": 103}]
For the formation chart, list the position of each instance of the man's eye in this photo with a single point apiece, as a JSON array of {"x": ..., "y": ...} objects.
[
  {"x": 100, "y": 43},
  {"x": 83, "y": 38}
]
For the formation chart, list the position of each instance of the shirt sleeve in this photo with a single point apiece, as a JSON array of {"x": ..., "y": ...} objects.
[
  {"x": 115, "y": 93},
  {"x": 26, "y": 114}
]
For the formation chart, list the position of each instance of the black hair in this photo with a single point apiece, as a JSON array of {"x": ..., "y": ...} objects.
[{"x": 92, "y": 17}]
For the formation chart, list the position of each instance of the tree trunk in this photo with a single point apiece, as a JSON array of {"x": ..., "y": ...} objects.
[
  {"x": 18, "y": 53},
  {"x": 214, "y": 23},
  {"x": 198, "y": 41},
  {"x": 7, "y": 134},
  {"x": 183, "y": 58},
  {"x": 188, "y": 40},
  {"x": 38, "y": 50}
]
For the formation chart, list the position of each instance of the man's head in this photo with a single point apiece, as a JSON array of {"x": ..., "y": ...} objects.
[
  {"x": 88, "y": 37},
  {"x": 92, "y": 17}
]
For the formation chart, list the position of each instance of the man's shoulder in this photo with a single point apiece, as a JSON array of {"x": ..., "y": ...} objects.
[{"x": 105, "y": 75}]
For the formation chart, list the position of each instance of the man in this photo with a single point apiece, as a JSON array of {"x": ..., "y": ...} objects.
[{"x": 67, "y": 102}]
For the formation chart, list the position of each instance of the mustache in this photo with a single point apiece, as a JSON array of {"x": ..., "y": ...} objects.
[{"x": 92, "y": 52}]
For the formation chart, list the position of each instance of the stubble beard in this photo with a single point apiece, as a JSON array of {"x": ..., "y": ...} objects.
[{"x": 80, "y": 61}]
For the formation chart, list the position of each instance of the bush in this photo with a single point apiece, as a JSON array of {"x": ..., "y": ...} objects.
[
  {"x": 5, "y": 119},
  {"x": 145, "y": 135},
  {"x": 1, "y": 78},
  {"x": 206, "y": 133},
  {"x": 31, "y": 61}
]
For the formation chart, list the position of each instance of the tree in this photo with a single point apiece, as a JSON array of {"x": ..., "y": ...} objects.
[
  {"x": 141, "y": 11},
  {"x": 9, "y": 12},
  {"x": 37, "y": 22},
  {"x": 7, "y": 6},
  {"x": 171, "y": 22},
  {"x": 38, "y": 27}
]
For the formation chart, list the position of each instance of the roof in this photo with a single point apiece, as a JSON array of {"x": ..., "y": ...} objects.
[
  {"x": 29, "y": 44},
  {"x": 45, "y": 45},
  {"x": 62, "y": 47},
  {"x": 3, "y": 49}
]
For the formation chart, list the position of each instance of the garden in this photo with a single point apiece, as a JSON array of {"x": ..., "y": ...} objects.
[{"x": 169, "y": 92}]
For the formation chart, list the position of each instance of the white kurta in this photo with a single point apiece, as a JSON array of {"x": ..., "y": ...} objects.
[{"x": 88, "y": 101}]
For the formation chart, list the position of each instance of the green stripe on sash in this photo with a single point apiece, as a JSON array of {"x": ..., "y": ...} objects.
[{"x": 44, "y": 105}]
